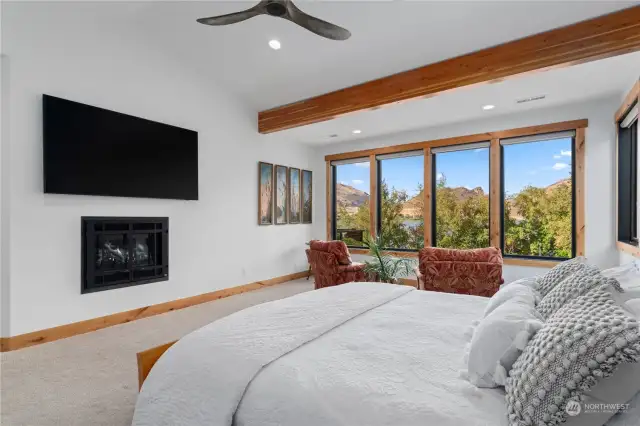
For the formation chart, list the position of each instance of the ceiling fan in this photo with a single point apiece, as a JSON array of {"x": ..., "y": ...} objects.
[{"x": 284, "y": 9}]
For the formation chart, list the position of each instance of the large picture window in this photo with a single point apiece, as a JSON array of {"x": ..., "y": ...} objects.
[
  {"x": 351, "y": 201},
  {"x": 628, "y": 177},
  {"x": 522, "y": 190},
  {"x": 538, "y": 196},
  {"x": 461, "y": 187},
  {"x": 401, "y": 195}
]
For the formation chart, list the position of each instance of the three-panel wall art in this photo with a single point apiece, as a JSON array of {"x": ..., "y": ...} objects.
[{"x": 284, "y": 195}]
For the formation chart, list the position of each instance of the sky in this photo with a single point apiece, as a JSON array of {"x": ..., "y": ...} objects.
[{"x": 536, "y": 163}]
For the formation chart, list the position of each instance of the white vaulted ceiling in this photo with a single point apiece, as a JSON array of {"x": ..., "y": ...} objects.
[{"x": 387, "y": 37}]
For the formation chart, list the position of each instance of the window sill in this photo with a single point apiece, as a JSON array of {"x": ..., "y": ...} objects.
[
  {"x": 390, "y": 253},
  {"x": 628, "y": 248},
  {"x": 534, "y": 263}
]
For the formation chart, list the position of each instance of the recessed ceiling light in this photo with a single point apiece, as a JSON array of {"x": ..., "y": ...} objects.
[
  {"x": 488, "y": 107},
  {"x": 356, "y": 132},
  {"x": 274, "y": 44}
]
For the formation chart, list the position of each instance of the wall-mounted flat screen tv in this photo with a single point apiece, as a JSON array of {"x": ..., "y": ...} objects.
[{"x": 94, "y": 151}]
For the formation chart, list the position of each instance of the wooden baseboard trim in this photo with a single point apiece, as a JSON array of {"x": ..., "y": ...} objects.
[{"x": 56, "y": 333}]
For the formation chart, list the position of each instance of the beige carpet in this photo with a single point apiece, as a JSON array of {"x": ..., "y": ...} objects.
[{"x": 91, "y": 379}]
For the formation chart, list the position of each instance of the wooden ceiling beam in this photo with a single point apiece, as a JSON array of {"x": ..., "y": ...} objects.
[{"x": 605, "y": 36}]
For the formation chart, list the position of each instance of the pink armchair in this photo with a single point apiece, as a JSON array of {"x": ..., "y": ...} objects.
[
  {"x": 477, "y": 272},
  {"x": 332, "y": 264}
]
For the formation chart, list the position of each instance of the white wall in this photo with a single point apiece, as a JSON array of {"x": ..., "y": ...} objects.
[
  {"x": 69, "y": 50},
  {"x": 600, "y": 148}
]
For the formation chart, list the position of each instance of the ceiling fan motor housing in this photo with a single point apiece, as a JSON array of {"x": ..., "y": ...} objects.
[{"x": 276, "y": 8}]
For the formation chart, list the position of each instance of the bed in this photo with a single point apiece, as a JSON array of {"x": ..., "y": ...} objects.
[{"x": 356, "y": 354}]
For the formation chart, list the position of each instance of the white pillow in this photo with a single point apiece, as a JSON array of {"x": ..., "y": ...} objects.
[
  {"x": 499, "y": 339},
  {"x": 629, "y": 278},
  {"x": 627, "y": 275},
  {"x": 516, "y": 288}
]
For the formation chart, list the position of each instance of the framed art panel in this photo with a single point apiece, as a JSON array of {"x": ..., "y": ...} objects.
[
  {"x": 294, "y": 195},
  {"x": 307, "y": 196},
  {"x": 282, "y": 190},
  {"x": 265, "y": 193}
]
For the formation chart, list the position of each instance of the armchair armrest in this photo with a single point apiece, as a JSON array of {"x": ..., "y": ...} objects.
[{"x": 354, "y": 267}]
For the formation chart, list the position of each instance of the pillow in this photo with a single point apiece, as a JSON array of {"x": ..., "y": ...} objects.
[
  {"x": 584, "y": 279},
  {"x": 583, "y": 342},
  {"x": 512, "y": 290},
  {"x": 558, "y": 273},
  {"x": 634, "y": 306},
  {"x": 499, "y": 339},
  {"x": 528, "y": 281},
  {"x": 627, "y": 275},
  {"x": 629, "y": 278}
]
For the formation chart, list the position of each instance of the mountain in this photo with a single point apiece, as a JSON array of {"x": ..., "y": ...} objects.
[
  {"x": 350, "y": 197},
  {"x": 413, "y": 207}
]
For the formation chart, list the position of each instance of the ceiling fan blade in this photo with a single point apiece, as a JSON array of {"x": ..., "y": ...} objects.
[
  {"x": 315, "y": 25},
  {"x": 231, "y": 18}
]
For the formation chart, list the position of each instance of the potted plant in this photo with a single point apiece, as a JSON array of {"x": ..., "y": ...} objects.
[{"x": 385, "y": 268}]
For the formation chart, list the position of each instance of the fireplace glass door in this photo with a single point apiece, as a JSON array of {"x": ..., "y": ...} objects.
[{"x": 121, "y": 252}]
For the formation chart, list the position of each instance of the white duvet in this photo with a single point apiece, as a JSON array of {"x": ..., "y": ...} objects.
[{"x": 355, "y": 354}]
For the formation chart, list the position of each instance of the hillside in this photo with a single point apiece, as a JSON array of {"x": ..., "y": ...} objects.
[
  {"x": 413, "y": 207},
  {"x": 350, "y": 197}
]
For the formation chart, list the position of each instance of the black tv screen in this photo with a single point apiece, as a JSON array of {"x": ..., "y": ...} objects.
[{"x": 94, "y": 151}]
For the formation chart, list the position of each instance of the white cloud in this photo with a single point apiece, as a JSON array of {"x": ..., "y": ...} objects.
[
  {"x": 343, "y": 182},
  {"x": 440, "y": 176},
  {"x": 357, "y": 182},
  {"x": 560, "y": 166},
  {"x": 563, "y": 153},
  {"x": 362, "y": 164}
]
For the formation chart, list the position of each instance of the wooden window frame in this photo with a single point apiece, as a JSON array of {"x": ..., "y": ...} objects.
[
  {"x": 632, "y": 98},
  {"x": 495, "y": 188}
]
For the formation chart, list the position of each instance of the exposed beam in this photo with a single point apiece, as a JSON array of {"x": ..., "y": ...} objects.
[{"x": 605, "y": 36}]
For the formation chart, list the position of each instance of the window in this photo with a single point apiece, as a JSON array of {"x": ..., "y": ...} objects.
[
  {"x": 538, "y": 196},
  {"x": 401, "y": 194},
  {"x": 628, "y": 177},
  {"x": 351, "y": 201},
  {"x": 519, "y": 191},
  {"x": 461, "y": 184}
]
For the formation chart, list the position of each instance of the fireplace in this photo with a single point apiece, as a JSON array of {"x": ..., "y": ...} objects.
[{"x": 124, "y": 251}]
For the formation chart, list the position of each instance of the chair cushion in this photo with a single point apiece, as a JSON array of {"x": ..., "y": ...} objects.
[
  {"x": 436, "y": 254},
  {"x": 337, "y": 248}
]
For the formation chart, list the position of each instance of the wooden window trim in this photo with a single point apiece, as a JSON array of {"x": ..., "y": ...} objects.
[
  {"x": 632, "y": 97},
  {"x": 628, "y": 248},
  {"x": 495, "y": 183}
]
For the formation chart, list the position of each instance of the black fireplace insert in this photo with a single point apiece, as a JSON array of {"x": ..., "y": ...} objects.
[{"x": 124, "y": 251}]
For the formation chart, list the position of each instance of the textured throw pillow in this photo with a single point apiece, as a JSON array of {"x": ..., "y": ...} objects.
[
  {"x": 581, "y": 343},
  {"x": 499, "y": 339},
  {"x": 582, "y": 280},
  {"x": 559, "y": 273},
  {"x": 510, "y": 291}
]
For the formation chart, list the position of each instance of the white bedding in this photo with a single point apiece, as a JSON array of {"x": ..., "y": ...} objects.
[{"x": 355, "y": 354}]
